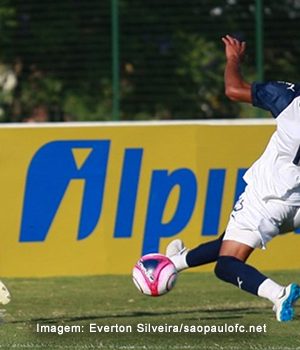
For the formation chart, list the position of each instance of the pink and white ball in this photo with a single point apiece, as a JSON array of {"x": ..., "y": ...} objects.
[{"x": 154, "y": 274}]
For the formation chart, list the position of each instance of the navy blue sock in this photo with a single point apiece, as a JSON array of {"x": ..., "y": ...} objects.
[
  {"x": 205, "y": 253},
  {"x": 233, "y": 270}
]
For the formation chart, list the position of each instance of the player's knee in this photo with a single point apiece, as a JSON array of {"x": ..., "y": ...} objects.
[{"x": 223, "y": 266}]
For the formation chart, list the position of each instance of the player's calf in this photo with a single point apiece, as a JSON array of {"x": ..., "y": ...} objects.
[{"x": 235, "y": 271}]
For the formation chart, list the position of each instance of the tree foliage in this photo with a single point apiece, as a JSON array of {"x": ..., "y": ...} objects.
[{"x": 171, "y": 56}]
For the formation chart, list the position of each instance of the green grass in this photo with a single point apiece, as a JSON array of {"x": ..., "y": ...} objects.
[{"x": 198, "y": 299}]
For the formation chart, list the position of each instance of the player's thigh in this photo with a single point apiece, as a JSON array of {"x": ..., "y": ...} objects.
[{"x": 244, "y": 226}]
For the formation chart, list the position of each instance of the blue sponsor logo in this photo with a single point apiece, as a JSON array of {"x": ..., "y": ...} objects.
[
  {"x": 51, "y": 170},
  {"x": 55, "y": 166}
]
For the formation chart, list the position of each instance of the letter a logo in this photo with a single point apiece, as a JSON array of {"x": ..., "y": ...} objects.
[{"x": 51, "y": 170}]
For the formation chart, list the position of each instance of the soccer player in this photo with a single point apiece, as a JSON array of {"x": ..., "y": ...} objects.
[{"x": 270, "y": 204}]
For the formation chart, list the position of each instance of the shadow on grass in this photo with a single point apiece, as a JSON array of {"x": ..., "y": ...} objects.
[{"x": 226, "y": 313}]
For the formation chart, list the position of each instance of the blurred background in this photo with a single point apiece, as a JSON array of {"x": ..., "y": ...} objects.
[{"x": 80, "y": 60}]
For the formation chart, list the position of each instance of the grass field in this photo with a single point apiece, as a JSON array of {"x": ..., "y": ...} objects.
[{"x": 197, "y": 300}]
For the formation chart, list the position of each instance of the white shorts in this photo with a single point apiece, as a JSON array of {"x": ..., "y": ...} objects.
[{"x": 255, "y": 221}]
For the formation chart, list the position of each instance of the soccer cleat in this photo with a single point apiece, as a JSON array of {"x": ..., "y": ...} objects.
[
  {"x": 284, "y": 305},
  {"x": 174, "y": 247},
  {"x": 4, "y": 294},
  {"x": 176, "y": 252}
]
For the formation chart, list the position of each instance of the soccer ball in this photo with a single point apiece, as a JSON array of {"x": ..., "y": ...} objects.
[{"x": 154, "y": 274}]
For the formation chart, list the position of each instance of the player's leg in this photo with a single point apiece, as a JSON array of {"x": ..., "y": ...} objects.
[
  {"x": 253, "y": 222},
  {"x": 203, "y": 254},
  {"x": 231, "y": 268}
]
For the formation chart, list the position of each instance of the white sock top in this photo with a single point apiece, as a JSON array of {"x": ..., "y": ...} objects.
[{"x": 270, "y": 290}]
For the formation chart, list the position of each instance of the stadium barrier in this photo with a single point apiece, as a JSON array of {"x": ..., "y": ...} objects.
[{"x": 85, "y": 199}]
